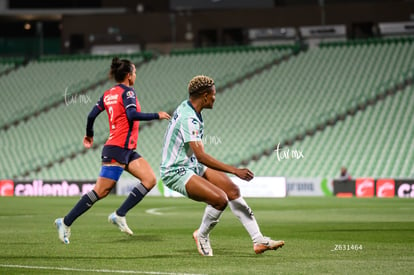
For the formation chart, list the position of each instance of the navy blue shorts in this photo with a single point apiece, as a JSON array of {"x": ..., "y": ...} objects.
[{"x": 111, "y": 153}]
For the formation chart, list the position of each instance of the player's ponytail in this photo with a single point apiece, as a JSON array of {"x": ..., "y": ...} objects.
[{"x": 120, "y": 68}]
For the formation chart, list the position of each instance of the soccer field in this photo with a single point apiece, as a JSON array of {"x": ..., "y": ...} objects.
[{"x": 322, "y": 235}]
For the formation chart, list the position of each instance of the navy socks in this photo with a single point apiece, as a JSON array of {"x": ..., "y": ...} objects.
[
  {"x": 81, "y": 207},
  {"x": 136, "y": 195},
  {"x": 87, "y": 200}
]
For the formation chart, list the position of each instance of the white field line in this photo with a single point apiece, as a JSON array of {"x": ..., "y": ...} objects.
[
  {"x": 157, "y": 211},
  {"x": 92, "y": 270}
]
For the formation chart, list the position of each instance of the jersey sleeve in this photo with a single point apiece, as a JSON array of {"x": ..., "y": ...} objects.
[
  {"x": 132, "y": 114},
  {"x": 100, "y": 104},
  {"x": 191, "y": 130},
  {"x": 129, "y": 98},
  {"x": 96, "y": 110}
]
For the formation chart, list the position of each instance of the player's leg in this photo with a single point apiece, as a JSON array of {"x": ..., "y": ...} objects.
[
  {"x": 199, "y": 189},
  {"x": 108, "y": 177},
  {"x": 140, "y": 169},
  {"x": 105, "y": 182},
  {"x": 237, "y": 204},
  {"x": 241, "y": 210}
]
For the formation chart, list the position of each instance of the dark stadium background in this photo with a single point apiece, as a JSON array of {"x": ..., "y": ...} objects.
[
  {"x": 43, "y": 32},
  {"x": 304, "y": 87},
  {"x": 67, "y": 25}
]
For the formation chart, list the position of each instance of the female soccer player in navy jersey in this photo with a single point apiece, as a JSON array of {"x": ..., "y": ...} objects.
[{"x": 124, "y": 114}]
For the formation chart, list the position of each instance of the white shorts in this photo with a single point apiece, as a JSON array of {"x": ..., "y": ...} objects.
[{"x": 178, "y": 178}]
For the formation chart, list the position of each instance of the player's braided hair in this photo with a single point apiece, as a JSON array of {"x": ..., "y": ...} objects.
[
  {"x": 199, "y": 84},
  {"x": 120, "y": 68}
]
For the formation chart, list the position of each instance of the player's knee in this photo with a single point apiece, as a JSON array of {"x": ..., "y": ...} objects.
[
  {"x": 233, "y": 193},
  {"x": 149, "y": 181},
  {"x": 102, "y": 193},
  {"x": 153, "y": 181},
  {"x": 220, "y": 202}
]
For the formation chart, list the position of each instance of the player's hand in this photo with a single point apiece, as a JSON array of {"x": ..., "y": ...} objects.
[
  {"x": 164, "y": 115},
  {"x": 244, "y": 174},
  {"x": 87, "y": 142}
]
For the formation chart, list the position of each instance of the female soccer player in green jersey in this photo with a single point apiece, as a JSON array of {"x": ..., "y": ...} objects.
[{"x": 189, "y": 170}]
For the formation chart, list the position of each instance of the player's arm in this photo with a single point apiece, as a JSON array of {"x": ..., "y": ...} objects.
[
  {"x": 96, "y": 110},
  {"x": 129, "y": 100},
  {"x": 211, "y": 162},
  {"x": 133, "y": 114}
]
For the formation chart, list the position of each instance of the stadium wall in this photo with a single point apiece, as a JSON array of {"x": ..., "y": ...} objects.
[
  {"x": 46, "y": 188},
  {"x": 276, "y": 187},
  {"x": 369, "y": 187},
  {"x": 167, "y": 27},
  {"x": 270, "y": 187}
]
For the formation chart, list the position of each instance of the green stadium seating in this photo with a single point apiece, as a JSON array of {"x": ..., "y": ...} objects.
[
  {"x": 370, "y": 144},
  {"x": 48, "y": 82},
  {"x": 276, "y": 104},
  {"x": 58, "y": 133}
]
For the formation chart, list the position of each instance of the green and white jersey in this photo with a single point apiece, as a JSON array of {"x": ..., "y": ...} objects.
[{"x": 185, "y": 125}]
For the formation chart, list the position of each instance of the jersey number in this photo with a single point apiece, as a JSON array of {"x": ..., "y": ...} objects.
[{"x": 111, "y": 117}]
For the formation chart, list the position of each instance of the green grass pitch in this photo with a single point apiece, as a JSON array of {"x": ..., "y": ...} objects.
[{"x": 323, "y": 236}]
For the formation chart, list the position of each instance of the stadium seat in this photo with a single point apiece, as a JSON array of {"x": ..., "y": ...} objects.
[{"x": 306, "y": 93}]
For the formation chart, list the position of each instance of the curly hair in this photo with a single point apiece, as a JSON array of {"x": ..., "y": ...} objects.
[{"x": 199, "y": 84}]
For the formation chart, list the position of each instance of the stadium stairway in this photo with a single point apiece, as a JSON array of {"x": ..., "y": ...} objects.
[
  {"x": 8, "y": 65},
  {"x": 291, "y": 131},
  {"x": 374, "y": 142},
  {"x": 306, "y": 93},
  {"x": 50, "y": 81},
  {"x": 332, "y": 117},
  {"x": 41, "y": 134},
  {"x": 70, "y": 151},
  {"x": 364, "y": 95},
  {"x": 385, "y": 144}
]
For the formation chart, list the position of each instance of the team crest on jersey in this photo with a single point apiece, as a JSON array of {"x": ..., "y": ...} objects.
[
  {"x": 130, "y": 94},
  {"x": 181, "y": 171}
]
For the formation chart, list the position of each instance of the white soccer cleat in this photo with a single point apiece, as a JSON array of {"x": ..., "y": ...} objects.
[
  {"x": 203, "y": 244},
  {"x": 120, "y": 222},
  {"x": 63, "y": 230},
  {"x": 267, "y": 244}
]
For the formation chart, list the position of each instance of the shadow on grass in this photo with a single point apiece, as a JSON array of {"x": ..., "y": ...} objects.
[{"x": 137, "y": 238}]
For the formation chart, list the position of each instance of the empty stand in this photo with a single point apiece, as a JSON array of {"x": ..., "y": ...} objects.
[
  {"x": 296, "y": 103},
  {"x": 160, "y": 85}
]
